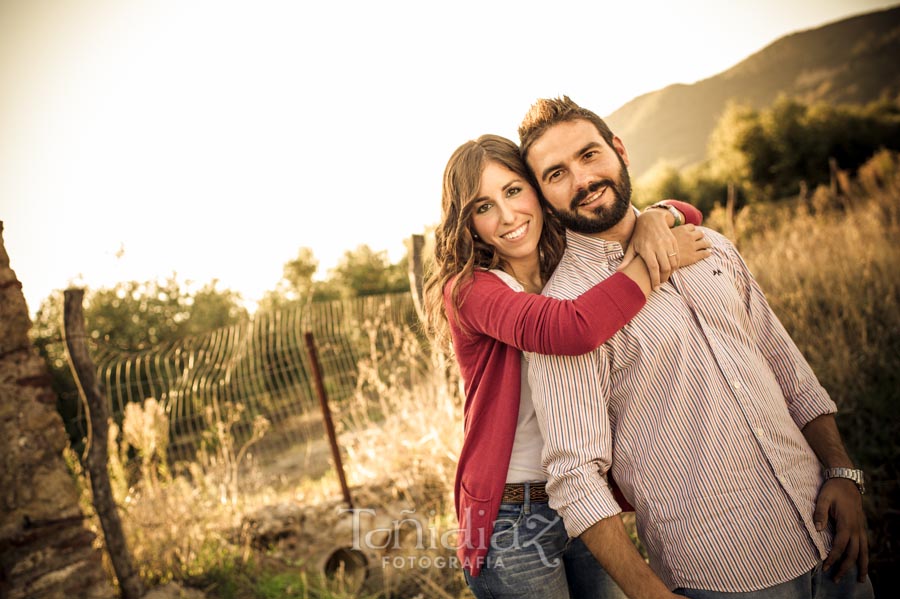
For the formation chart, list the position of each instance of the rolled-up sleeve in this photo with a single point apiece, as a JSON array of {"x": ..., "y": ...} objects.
[{"x": 570, "y": 399}]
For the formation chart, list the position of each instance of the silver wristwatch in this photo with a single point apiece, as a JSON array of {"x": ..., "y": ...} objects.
[{"x": 855, "y": 475}]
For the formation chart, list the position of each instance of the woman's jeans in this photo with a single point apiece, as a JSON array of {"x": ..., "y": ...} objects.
[{"x": 531, "y": 556}]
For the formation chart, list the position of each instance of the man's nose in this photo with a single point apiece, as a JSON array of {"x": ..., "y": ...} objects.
[{"x": 582, "y": 177}]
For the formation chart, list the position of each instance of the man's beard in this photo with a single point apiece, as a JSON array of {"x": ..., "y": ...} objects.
[{"x": 604, "y": 217}]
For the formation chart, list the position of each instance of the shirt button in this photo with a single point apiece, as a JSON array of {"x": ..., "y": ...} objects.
[
  {"x": 759, "y": 432},
  {"x": 736, "y": 384}
]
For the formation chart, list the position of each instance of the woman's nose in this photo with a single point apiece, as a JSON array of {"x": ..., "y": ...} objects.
[{"x": 507, "y": 214}]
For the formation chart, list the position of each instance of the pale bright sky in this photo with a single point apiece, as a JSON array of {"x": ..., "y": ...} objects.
[{"x": 214, "y": 138}]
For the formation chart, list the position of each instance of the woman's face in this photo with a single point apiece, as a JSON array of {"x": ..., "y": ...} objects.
[{"x": 508, "y": 214}]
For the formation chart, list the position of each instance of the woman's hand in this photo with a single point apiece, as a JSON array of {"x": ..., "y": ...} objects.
[
  {"x": 693, "y": 246},
  {"x": 654, "y": 241}
]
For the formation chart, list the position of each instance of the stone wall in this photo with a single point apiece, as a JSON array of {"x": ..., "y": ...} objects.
[{"x": 45, "y": 549}]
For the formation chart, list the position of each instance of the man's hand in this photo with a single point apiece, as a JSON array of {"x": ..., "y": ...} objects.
[
  {"x": 612, "y": 547},
  {"x": 653, "y": 241},
  {"x": 840, "y": 501}
]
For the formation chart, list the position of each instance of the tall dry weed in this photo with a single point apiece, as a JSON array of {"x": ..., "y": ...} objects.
[
  {"x": 177, "y": 522},
  {"x": 403, "y": 458}
]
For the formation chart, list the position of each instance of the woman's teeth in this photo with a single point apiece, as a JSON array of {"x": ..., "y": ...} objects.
[{"x": 515, "y": 233}]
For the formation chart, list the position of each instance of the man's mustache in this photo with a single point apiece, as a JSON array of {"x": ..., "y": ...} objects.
[{"x": 593, "y": 187}]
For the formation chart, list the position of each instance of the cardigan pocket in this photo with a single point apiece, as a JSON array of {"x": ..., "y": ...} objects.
[{"x": 476, "y": 520}]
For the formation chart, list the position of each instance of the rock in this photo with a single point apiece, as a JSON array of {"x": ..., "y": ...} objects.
[{"x": 45, "y": 549}]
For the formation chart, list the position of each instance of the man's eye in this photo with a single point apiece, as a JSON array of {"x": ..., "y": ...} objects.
[
  {"x": 482, "y": 208},
  {"x": 589, "y": 155},
  {"x": 554, "y": 175}
]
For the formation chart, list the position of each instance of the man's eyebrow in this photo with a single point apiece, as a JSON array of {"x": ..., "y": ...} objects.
[{"x": 589, "y": 146}]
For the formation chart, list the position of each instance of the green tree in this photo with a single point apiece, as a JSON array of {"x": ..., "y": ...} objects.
[
  {"x": 364, "y": 271},
  {"x": 739, "y": 150},
  {"x": 212, "y": 308},
  {"x": 771, "y": 154},
  {"x": 298, "y": 273},
  {"x": 662, "y": 182},
  {"x": 296, "y": 285},
  {"x": 695, "y": 184}
]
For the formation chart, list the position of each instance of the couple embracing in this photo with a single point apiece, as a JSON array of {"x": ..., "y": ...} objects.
[{"x": 614, "y": 358}]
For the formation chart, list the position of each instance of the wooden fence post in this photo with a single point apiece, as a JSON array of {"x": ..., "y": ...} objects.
[
  {"x": 97, "y": 456},
  {"x": 326, "y": 416},
  {"x": 416, "y": 275}
]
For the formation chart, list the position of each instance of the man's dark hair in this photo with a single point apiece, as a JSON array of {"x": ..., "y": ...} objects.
[{"x": 547, "y": 112}]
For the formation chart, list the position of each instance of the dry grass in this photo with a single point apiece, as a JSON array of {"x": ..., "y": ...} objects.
[{"x": 197, "y": 522}]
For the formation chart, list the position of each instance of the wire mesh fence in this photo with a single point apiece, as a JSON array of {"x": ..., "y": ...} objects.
[{"x": 261, "y": 365}]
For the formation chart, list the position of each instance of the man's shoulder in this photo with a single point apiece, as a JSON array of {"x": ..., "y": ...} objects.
[
  {"x": 718, "y": 240},
  {"x": 572, "y": 277},
  {"x": 724, "y": 248}
]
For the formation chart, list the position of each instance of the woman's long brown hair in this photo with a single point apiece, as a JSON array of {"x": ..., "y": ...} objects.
[{"x": 456, "y": 252}]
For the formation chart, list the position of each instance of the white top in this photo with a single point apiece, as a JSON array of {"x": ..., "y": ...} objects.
[{"x": 525, "y": 460}]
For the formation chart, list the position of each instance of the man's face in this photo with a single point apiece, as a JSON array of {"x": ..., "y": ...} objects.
[{"x": 583, "y": 178}]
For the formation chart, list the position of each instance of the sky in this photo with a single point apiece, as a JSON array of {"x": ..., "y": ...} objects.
[{"x": 212, "y": 139}]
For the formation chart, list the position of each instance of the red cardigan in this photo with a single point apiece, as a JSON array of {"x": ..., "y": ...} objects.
[{"x": 494, "y": 323}]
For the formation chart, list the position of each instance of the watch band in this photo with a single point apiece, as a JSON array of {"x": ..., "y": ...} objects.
[
  {"x": 675, "y": 214},
  {"x": 853, "y": 474}
]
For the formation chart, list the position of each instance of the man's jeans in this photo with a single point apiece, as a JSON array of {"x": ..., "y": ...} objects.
[
  {"x": 532, "y": 557},
  {"x": 815, "y": 584}
]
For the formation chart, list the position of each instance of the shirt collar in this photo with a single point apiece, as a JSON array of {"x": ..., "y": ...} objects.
[{"x": 593, "y": 249}]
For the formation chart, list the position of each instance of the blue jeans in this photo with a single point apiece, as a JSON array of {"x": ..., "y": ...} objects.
[
  {"x": 815, "y": 584},
  {"x": 532, "y": 557}
]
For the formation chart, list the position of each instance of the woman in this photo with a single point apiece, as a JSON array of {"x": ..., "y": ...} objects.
[{"x": 495, "y": 249}]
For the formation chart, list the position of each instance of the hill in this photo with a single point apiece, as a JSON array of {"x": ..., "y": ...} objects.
[{"x": 850, "y": 61}]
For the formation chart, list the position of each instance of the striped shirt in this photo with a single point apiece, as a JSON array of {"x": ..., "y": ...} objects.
[{"x": 697, "y": 407}]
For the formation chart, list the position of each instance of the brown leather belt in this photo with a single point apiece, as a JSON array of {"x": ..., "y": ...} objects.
[{"x": 515, "y": 493}]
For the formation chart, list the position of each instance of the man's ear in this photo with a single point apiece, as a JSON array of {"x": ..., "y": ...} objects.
[{"x": 620, "y": 148}]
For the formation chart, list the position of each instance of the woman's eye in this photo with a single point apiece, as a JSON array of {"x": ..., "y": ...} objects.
[
  {"x": 513, "y": 191},
  {"x": 482, "y": 208}
]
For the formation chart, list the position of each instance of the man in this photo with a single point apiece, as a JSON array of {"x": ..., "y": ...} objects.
[{"x": 702, "y": 408}]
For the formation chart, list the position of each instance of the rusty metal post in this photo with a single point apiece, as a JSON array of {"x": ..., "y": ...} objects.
[
  {"x": 326, "y": 416},
  {"x": 97, "y": 456}
]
